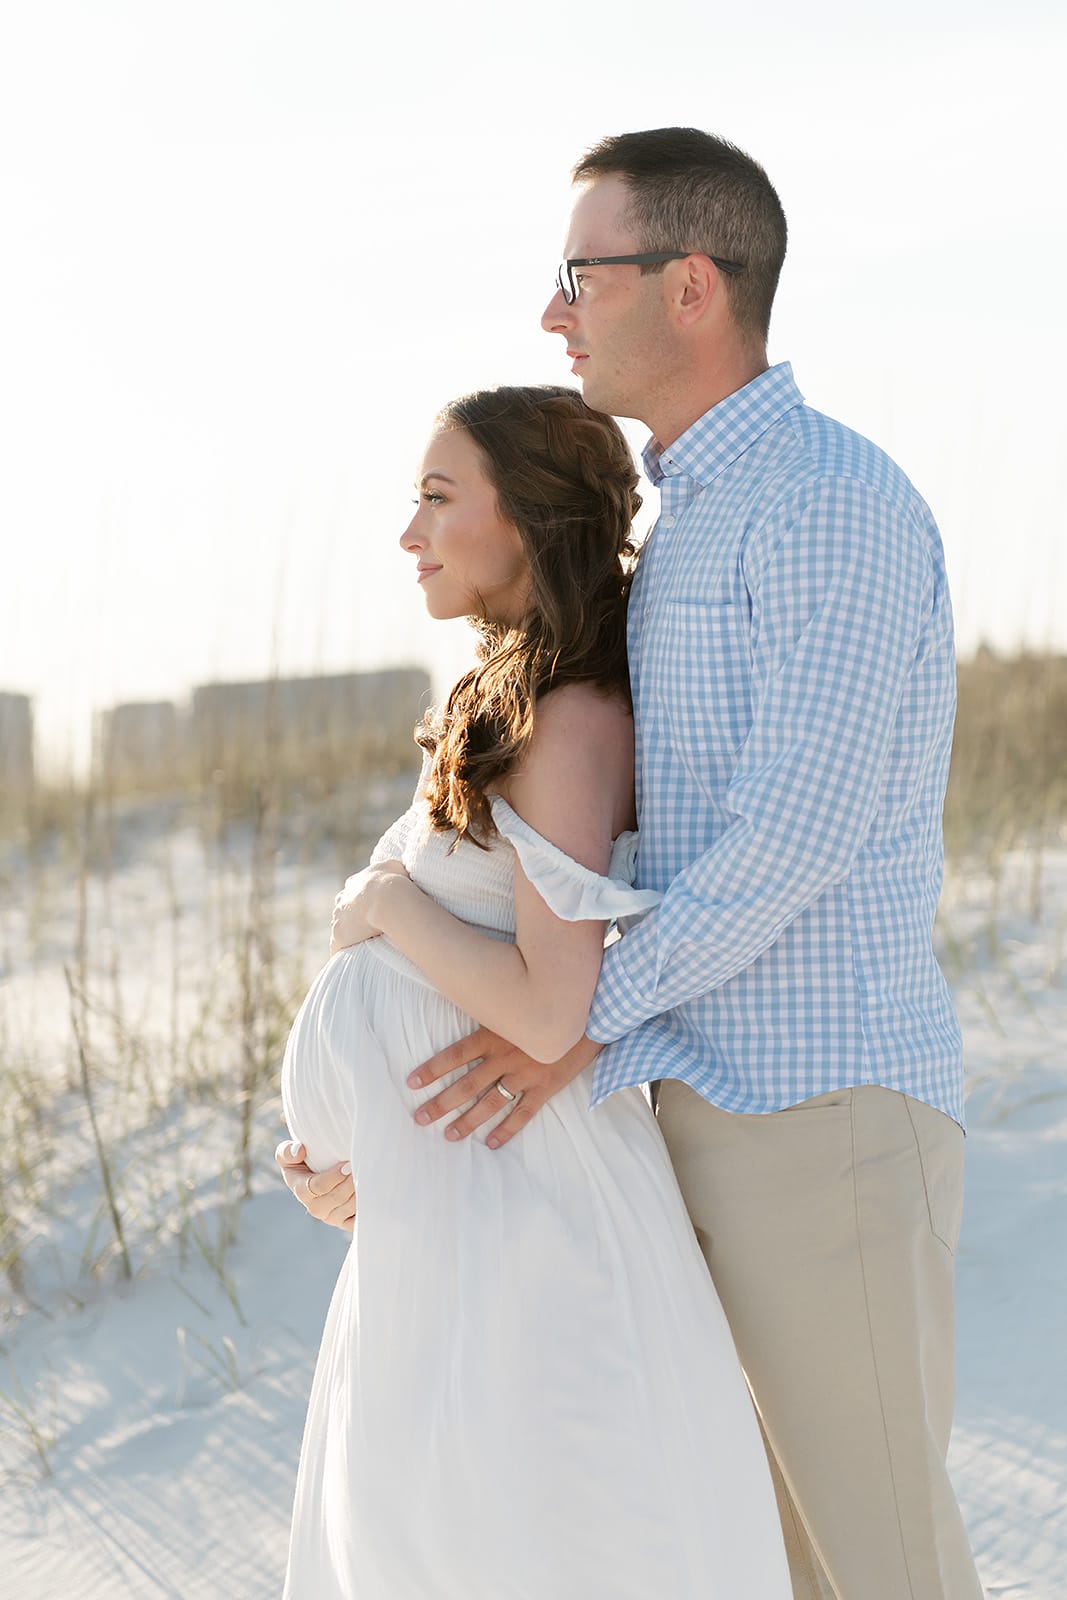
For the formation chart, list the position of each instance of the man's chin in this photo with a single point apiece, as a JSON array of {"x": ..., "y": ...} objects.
[
  {"x": 613, "y": 403},
  {"x": 598, "y": 396}
]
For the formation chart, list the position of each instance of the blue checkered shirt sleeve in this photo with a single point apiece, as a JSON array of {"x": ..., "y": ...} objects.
[{"x": 840, "y": 584}]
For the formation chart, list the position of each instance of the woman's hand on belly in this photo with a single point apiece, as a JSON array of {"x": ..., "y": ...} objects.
[
  {"x": 354, "y": 908},
  {"x": 328, "y": 1196}
]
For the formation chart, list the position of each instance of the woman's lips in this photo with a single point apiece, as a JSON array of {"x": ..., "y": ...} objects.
[{"x": 426, "y": 572}]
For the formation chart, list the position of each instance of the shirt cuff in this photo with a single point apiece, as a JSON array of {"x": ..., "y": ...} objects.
[{"x": 616, "y": 1009}]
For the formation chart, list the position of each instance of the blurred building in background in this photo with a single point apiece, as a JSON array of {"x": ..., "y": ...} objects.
[
  {"x": 322, "y": 724},
  {"x": 16, "y": 751},
  {"x": 142, "y": 743},
  {"x": 324, "y": 727}
]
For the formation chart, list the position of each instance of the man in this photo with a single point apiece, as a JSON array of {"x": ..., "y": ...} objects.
[{"x": 793, "y": 678}]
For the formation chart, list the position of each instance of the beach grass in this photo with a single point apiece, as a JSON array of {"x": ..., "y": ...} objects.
[{"x": 155, "y": 945}]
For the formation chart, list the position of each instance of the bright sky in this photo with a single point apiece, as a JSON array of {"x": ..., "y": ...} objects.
[{"x": 251, "y": 245}]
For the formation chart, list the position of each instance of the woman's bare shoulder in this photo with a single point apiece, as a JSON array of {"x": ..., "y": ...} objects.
[
  {"x": 583, "y": 710},
  {"x": 581, "y": 752}
]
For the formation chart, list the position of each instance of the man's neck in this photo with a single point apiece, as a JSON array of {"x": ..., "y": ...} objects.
[{"x": 676, "y": 411}]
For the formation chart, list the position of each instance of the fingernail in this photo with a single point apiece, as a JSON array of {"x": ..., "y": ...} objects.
[
  {"x": 346, "y": 1169},
  {"x": 451, "y": 1133},
  {"x": 414, "y": 1081},
  {"x": 423, "y": 1117},
  {"x": 493, "y": 1142},
  {"x": 295, "y": 1149}
]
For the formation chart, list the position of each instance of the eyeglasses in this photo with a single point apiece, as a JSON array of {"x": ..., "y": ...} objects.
[{"x": 647, "y": 258}]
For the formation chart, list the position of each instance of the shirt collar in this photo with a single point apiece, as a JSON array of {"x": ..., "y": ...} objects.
[{"x": 725, "y": 432}]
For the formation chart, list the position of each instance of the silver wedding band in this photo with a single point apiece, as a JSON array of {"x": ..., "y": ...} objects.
[{"x": 505, "y": 1092}]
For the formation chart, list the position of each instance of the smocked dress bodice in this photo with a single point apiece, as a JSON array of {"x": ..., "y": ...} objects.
[{"x": 478, "y": 884}]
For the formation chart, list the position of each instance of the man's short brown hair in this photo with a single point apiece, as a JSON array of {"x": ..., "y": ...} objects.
[{"x": 692, "y": 191}]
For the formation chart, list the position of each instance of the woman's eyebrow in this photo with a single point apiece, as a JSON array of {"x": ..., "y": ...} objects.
[{"x": 442, "y": 476}]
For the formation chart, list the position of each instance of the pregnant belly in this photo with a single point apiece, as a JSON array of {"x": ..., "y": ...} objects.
[
  {"x": 328, "y": 1046},
  {"x": 366, "y": 1021}
]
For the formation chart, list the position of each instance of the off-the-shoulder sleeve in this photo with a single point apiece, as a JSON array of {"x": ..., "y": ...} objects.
[{"x": 571, "y": 891}]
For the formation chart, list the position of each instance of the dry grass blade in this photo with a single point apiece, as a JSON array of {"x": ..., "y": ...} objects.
[{"x": 76, "y": 1014}]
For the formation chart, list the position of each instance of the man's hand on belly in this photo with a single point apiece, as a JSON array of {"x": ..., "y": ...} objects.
[{"x": 527, "y": 1083}]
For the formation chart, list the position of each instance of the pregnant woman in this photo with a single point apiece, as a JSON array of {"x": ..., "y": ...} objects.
[{"x": 526, "y": 1389}]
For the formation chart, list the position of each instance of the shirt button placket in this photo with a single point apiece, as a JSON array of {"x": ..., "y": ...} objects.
[{"x": 665, "y": 520}]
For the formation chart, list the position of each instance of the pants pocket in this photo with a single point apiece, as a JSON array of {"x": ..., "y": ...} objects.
[
  {"x": 833, "y": 1101},
  {"x": 939, "y": 1142}
]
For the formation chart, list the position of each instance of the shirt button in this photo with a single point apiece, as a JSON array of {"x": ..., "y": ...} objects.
[
  {"x": 668, "y": 522},
  {"x": 648, "y": 610}
]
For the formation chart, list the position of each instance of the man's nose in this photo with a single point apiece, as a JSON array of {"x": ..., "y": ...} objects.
[{"x": 557, "y": 317}]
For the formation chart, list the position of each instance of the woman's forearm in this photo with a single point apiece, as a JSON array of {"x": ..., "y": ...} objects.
[{"x": 543, "y": 1011}]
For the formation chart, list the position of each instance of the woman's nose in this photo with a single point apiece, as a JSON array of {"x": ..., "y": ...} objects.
[{"x": 410, "y": 538}]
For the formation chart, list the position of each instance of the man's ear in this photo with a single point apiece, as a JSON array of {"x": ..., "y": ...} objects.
[{"x": 697, "y": 283}]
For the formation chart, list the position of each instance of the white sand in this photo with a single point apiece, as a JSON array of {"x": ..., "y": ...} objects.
[{"x": 170, "y": 1419}]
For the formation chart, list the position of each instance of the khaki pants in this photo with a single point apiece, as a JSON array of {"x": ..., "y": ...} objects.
[{"x": 829, "y": 1229}]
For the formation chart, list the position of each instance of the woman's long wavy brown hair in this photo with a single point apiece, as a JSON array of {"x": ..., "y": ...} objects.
[{"x": 564, "y": 476}]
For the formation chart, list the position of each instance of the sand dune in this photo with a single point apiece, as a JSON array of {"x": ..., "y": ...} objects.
[{"x": 168, "y": 1410}]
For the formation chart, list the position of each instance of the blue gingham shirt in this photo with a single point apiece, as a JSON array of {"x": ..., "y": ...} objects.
[{"x": 793, "y": 674}]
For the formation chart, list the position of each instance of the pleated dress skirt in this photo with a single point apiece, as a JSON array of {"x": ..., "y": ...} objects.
[{"x": 526, "y": 1389}]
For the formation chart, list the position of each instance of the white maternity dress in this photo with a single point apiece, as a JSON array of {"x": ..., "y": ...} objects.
[{"x": 526, "y": 1388}]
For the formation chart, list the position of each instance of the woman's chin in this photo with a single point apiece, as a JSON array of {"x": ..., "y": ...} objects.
[
  {"x": 443, "y": 612},
  {"x": 445, "y": 607}
]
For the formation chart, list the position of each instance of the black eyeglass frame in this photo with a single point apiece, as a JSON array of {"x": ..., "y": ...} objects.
[{"x": 646, "y": 258}]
